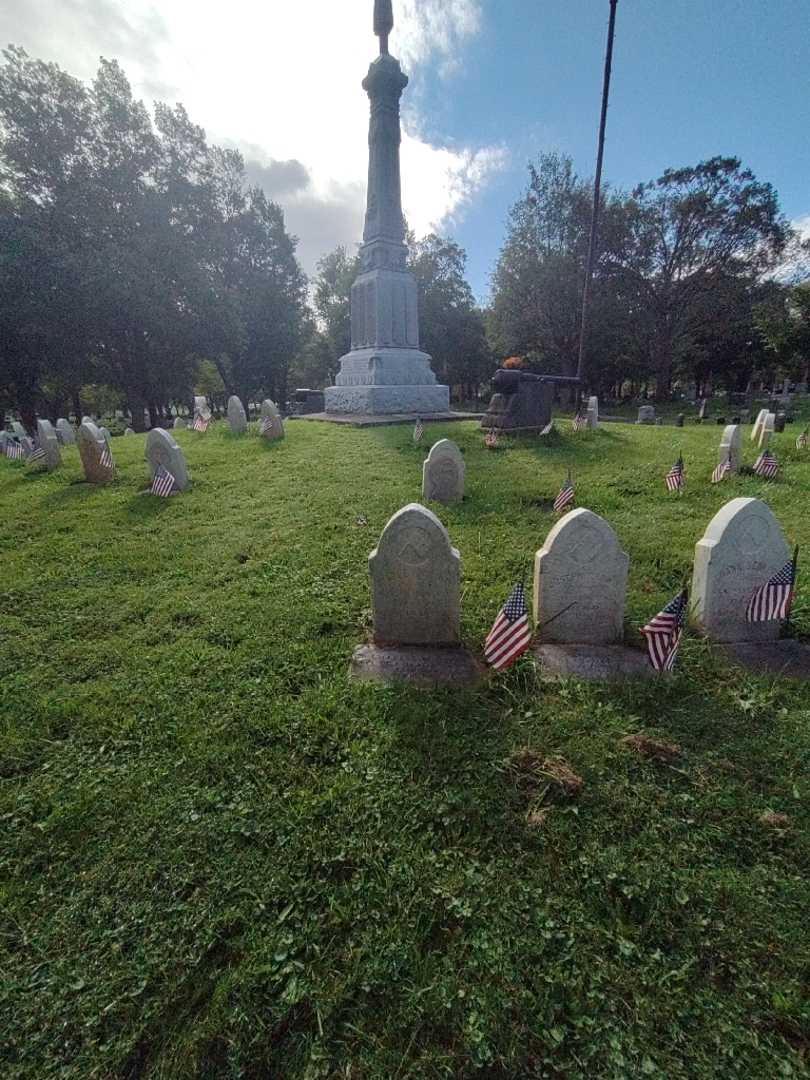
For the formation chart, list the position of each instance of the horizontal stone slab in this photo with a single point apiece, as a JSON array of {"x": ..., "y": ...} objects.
[
  {"x": 368, "y": 420},
  {"x": 788, "y": 658},
  {"x": 416, "y": 665},
  {"x": 593, "y": 663}
]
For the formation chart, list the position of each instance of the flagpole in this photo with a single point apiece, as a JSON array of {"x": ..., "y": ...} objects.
[
  {"x": 792, "y": 584},
  {"x": 597, "y": 186}
]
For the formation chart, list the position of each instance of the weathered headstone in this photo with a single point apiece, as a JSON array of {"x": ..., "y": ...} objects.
[
  {"x": 443, "y": 473},
  {"x": 779, "y": 422},
  {"x": 65, "y": 431},
  {"x": 580, "y": 581},
  {"x": 179, "y": 422},
  {"x": 593, "y": 412},
  {"x": 730, "y": 447},
  {"x": 18, "y": 430},
  {"x": 46, "y": 436},
  {"x": 105, "y": 432},
  {"x": 92, "y": 449},
  {"x": 415, "y": 574},
  {"x": 758, "y": 424},
  {"x": 201, "y": 406},
  {"x": 679, "y": 419},
  {"x": 129, "y": 431},
  {"x": 161, "y": 450},
  {"x": 646, "y": 415},
  {"x": 237, "y": 417},
  {"x": 271, "y": 426},
  {"x": 766, "y": 431}
]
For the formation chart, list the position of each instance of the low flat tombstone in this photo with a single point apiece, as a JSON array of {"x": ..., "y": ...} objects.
[
  {"x": 415, "y": 574},
  {"x": 65, "y": 431},
  {"x": 443, "y": 473},
  {"x": 580, "y": 582},
  {"x": 271, "y": 426},
  {"x": 92, "y": 446},
  {"x": 46, "y": 436},
  {"x": 742, "y": 548},
  {"x": 236, "y": 415},
  {"x": 161, "y": 450},
  {"x": 779, "y": 422},
  {"x": 730, "y": 448},
  {"x": 758, "y": 424},
  {"x": 593, "y": 412},
  {"x": 646, "y": 415},
  {"x": 766, "y": 431}
]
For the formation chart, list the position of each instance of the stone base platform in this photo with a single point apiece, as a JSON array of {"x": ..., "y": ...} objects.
[
  {"x": 418, "y": 665},
  {"x": 593, "y": 663},
  {"x": 367, "y": 420},
  {"x": 788, "y": 658}
]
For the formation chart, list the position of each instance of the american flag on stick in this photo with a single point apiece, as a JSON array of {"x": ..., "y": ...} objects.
[
  {"x": 510, "y": 634},
  {"x": 491, "y": 439},
  {"x": 721, "y": 471},
  {"x": 162, "y": 483},
  {"x": 418, "y": 429},
  {"x": 801, "y": 442},
  {"x": 106, "y": 458},
  {"x": 265, "y": 423},
  {"x": 14, "y": 451},
  {"x": 201, "y": 423},
  {"x": 565, "y": 496},
  {"x": 766, "y": 465},
  {"x": 37, "y": 458},
  {"x": 773, "y": 600},
  {"x": 579, "y": 422},
  {"x": 664, "y": 631},
  {"x": 675, "y": 477}
]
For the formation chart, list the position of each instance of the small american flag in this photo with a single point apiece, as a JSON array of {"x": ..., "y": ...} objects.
[
  {"x": 548, "y": 428},
  {"x": 565, "y": 496},
  {"x": 773, "y": 599},
  {"x": 801, "y": 442},
  {"x": 766, "y": 465},
  {"x": 663, "y": 633},
  {"x": 106, "y": 458},
  {"x": 201, "y": 423},
  {"x": 675, "y": 476},
  {"x": 579, "y": 422},
  {"x": 510, "y": 634},
  {"x": 163, "y": 482},
  {"x": 14, "y": 451},
  {"x": 37, "y": 457},
  {"x": 721, "y": 471},
  {"x": 265, "y": 424},
  {"x": 491, "y": 439},
  {"x": 418, "y": 429}
]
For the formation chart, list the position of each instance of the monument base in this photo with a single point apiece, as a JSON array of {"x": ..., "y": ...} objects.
[
  {"x": 593, "y": 663},
  {"x": 788, "y": 658},
  {"x": 385, "y": 400},
  {"x": 417, "y": 665}
]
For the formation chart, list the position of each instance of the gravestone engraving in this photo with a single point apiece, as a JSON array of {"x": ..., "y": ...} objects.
[
  {"x": 646, "y": 415},
  {"x": 742, "y": 548},
  {"x": 92, "y": 447},
  {"x": 162, "y": 451},
  {"x": 730, "y": 448},
  {"x": 237, "y": 418},
  {"x": 271, "y": 426},
  {"x": 46, "y": 436},
  {"x": 443, "y": 473},
  {"x": 65, "y": 431}
]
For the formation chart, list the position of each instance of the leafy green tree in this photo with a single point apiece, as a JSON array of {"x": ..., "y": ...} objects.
[{"x": 332, "y": 286}]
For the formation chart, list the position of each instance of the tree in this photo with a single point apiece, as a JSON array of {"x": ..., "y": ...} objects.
[{"x": 333, "y": 281}]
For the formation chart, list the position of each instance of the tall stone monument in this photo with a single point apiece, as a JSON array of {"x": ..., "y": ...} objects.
[{"x": 385, "y": 371}]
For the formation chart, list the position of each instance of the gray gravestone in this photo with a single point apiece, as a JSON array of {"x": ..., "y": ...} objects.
[
  {"x": 46, "y": 436},
  {"x": 18, "y": 430},
  {"x": 162, "y": 450},
  {"x": 679, "y": 419},
  {"x": 592, "y": 414},
  {"x": 443, "y": 473},
  {"x": 704, "y": 408},
  {"x": 65, "y": 431},
  {"x": 237, "y": 417},
  {"x": 201, "y": 406},
  {"x": 92, "y": 445},
  {"x": 179, "y": 422},
  {"x": 646, "y": 415},
  {"x": 742, "y": 548},
  {"x": 766, "y": 430},
  {"x": 758, "y": 424},
  {"x": 779, "y": 422},
  {"x": 730, "y": 448},
  {"x": 271, "y": 426}
]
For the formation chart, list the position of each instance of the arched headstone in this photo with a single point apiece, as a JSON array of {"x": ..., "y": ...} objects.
[
  {"x": 743, "y": 547},
  {"x": 65, "y": 431},
  {"x": 95, "y": 454},
  {"x": 758, "y": 424},
  {"x": 271, "y": 426},
  {"x": 237, "y": 417},
  {"x": 646, "y": 415},
  {"x": 46, "y": 436},
  {"x": 162, "y": 451},
  {"x": 443, "y": 473},
  {"x": 730, "y": 447},
  {"x": 179, "y": 422},
  {"x": 593, "y": 412},
  {"x": 766, "y": 430}
]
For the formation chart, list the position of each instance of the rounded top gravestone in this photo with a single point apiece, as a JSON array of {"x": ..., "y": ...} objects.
[
  {"x": 646, "y": 415},
  {"x": 443, "y": 473},
  {"x": 743, "y": 547},
  {"x": 758, "y": 424},
  {"x": 237, "y": 418},
  {"x": 580, "y": 581},
  {"x": 162, "y": 451},
  {"x": 179, "y": 422},
  {"x": 415, "y": 575},
  {"x": 201, "y": 406},
  {"x": 49, "y": 443},
  {"x": 65, "y": 431},
  {"x": 271, "y": 426},
  {"x": 93, "y": 449},
  {"x": 766, "y": 430},
  {"x": 730, "y": 447}
]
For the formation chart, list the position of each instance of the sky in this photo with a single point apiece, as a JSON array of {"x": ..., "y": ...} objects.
[{"x": 493, "y": 84}]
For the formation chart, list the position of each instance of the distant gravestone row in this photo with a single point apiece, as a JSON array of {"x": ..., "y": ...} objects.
[{"x": 580, "y": 585}]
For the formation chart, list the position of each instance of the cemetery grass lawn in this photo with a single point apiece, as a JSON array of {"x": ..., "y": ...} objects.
[{"x": 219, "y": 858}]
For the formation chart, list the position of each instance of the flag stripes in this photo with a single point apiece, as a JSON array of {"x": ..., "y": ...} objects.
[
  {"x": 201, "y": 423},
  {"x": 663, "y": 633},
  {"x": 37, "y": 457},
  {"x": 106, "y": 458},
  {"x": 579, "y": 422},
  {"x": 565, "y": 496},
  {"x": 675, "y": 477},
  {"x": 418, "y": 429},
  {"x": 510, "y": 634},
  {"x": 14, "y": 451},
  {"x": 721, "y": 471},
  {"x": 766, "y": 465},
  {"x": 773, "y": 599},
  {"x": 491, "y": 439},
  {"x": 801, "y": 442},
  {"x": 162, "y": 482}
]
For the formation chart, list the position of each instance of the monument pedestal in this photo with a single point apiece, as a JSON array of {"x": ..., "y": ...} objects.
[
  {"x": 417, "y": 665},
  {"x": 593, "y": 663}
]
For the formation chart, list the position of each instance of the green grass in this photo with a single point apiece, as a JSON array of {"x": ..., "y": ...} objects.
[{"x": 219, "y": 858}]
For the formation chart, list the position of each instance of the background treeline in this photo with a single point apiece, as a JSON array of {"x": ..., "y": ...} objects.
[{"x": 137, "y": 265}]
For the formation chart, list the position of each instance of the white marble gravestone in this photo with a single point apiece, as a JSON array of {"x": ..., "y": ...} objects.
[
  {"x": 766, "y": 430},
  {"x": 271, "y": 426},
  {"x": 179, "y": 422},
  {"x": 758, "y": 424},
  {"x": 443, "y": 473},
  {"x": 46, "y": 436},
  {"x": 129, "y": 431},
  {"x": 201, "y": 406},
  {"x": 580, "y": 582},
  {"x": 92, "y": 445},
  {"x": 18, "y": 430},
  {"x": 162, "y": 450},
  {"x": 65, "y": 431},
  {"x": 743, "y": 546},
  {"x": 237, "y": 418},
  {"x": 646, "y": 415},
  {"x": 730, "y": 447},
  {"x": 593, "y": 412}
]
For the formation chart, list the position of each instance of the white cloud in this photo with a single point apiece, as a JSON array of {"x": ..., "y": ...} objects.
[{"x": 282, "y": 82}]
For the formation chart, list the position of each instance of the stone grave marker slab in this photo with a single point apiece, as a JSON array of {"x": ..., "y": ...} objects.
[
  {"x": 237, "y": 418},
  {"x": 730, "y": 448},
  {"x": 766, "y": 430},
  {"x": 92, "y": 445},
  {"x": 162, "y": 450},
  {"x": 646, "y": 415},
  {"x": 179, "y": 422},
  {"x": 65, "y": 431},
  {"x": 592, "y": 414},
  {"x": 46, "y": 436},
  {"x": 758, "y": 424},
  {"x": 443, "y": 473},
  {"x": 271, "y": 426}
]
